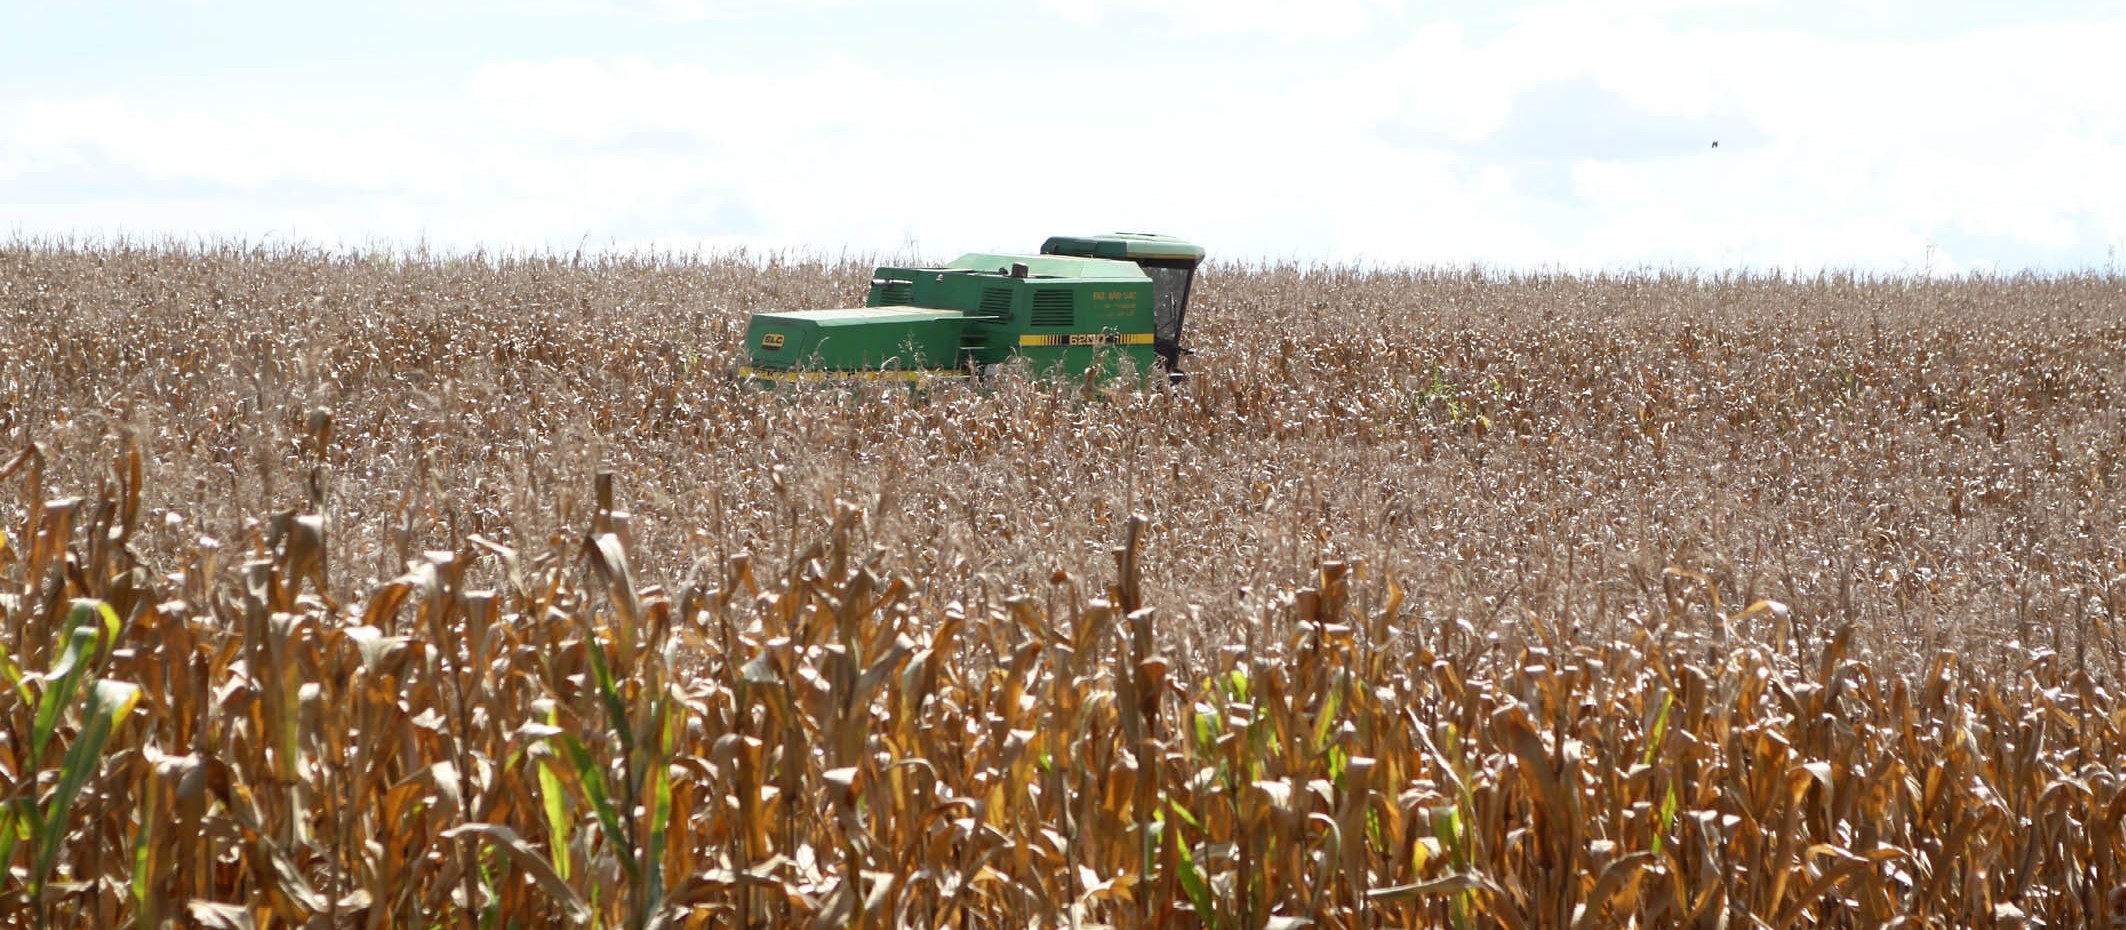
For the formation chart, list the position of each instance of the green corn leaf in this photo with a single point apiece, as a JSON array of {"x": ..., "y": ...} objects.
[
  {"x": 1185, "y": 816},
  {"x": 1326, "y": 720},
  {"x": 13, "y": 828},
  {"x": 1653, "y": 740},
  {"x": 109, "y": 616},
  {"x": 108, "y": 702},
  {"x": 1653, "y": 744},
  {"x": 60, "y": 684},
  {"x": 1192, "y": 881},
  {"x": 83, "y": 638},
  {"x": 675, "y": 728},
  {"x": 615, "y": 709},
  {"x": 1458, "y": 760},
  {"x": 660, "y": 819},
  {"x": 15, "y": 678},
  {"x": 147, "y": 899},
  {"x": 673, "y": 714},
  {"x": 553, "y": 799},
  {"x": 143, "y": 876},
  {"x": 1206, "y": 735},
  {"x": 557, "y": 825},
  {"x": 593, "y": 780},
  {"x": 1668, "y": 818},
  {"x": 1447, "y": 828}
]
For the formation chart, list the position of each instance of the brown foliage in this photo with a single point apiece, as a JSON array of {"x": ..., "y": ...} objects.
[{"x": 1459, "y": 599}]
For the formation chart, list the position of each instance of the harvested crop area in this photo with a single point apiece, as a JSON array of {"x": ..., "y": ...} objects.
[{"x": 363, "y": 590}]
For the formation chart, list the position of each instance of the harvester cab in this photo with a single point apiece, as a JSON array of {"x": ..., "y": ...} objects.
[
  {"x": 1169, "y": 262},
  {"x": 1083, "y": 303}
]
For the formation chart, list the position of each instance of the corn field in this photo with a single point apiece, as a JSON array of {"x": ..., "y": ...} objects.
[{"x": 364, "y": 590}]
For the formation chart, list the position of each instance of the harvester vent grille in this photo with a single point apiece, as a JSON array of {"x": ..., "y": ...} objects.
[
  {"x": 896, "y": 294},
  {"x": 1053, "y": 308},
  {"x": 996, "y": 300}
]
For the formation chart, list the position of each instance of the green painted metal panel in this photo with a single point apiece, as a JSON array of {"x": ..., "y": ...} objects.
[{"x": 856, "y": 338}]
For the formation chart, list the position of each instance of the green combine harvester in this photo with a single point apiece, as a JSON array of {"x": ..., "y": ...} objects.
[{"x": 1083, "y": 304}]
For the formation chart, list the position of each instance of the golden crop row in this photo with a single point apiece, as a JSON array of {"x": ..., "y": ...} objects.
[{"x": 237, "y": 745}]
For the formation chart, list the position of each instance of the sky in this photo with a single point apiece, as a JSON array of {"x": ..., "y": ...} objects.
[{"x": 1900, "y": 137}]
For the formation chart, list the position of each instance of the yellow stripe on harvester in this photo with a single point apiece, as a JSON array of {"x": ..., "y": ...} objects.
[
  {"x": 1088, "y": 339},
  {"x": 917, "y": 374}
]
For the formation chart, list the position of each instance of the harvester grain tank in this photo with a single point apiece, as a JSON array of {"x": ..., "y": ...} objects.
[{"x": 1084, "y": 301}]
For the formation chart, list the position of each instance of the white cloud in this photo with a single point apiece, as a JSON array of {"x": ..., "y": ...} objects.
[
  {"x": 606, "y": 104},
  {"x": 524, "y": 153},
  {"x": 661, "y": 11},
  {"x": 1855, "y": 151},
  {"x": 1216, "y": 17},
  {"x": 1571, "y": 133},
  {"x": 238, "y": 153}
]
